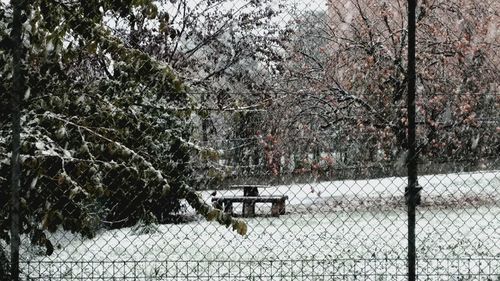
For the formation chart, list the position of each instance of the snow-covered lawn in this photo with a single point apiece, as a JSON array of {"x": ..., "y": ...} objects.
[
  {"x": 385, "y": 193},
  {"x": 349, "y": 230}
]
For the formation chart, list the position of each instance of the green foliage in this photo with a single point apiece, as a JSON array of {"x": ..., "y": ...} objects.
[{"x": 105, "y": 126}]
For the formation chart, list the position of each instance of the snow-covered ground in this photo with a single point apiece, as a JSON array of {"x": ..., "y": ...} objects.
[
  {"x": 345, "y": 229},
  {"x": 384, "y": 193}
]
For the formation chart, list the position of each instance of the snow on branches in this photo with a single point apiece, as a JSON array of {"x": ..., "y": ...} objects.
[{"x": 94, "y": 152}]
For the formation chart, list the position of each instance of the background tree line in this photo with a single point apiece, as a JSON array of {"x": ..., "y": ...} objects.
[{"x": 338, "y": 102}]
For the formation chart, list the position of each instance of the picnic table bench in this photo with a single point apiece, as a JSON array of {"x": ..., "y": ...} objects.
[{"x": 249, "y": 198}]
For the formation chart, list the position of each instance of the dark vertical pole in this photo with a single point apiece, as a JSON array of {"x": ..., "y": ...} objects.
[
  {"x": 18, "y": 88},
  {"x": 412, "y": 157}
]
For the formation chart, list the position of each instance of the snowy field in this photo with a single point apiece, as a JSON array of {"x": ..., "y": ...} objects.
[{"x": 346, "y": 230}]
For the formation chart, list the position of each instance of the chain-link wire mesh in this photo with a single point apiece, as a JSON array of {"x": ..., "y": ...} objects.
[{"x": 252, "y": 140}]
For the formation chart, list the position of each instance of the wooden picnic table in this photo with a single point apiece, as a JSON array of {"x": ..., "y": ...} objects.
[{"x": 249, "y": 198}]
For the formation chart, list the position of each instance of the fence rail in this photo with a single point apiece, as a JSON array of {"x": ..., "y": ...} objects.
[{"x": 316, "y": 269}]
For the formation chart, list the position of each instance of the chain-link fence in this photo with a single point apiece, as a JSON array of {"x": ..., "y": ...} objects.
[{"x": 248, "y": 140}]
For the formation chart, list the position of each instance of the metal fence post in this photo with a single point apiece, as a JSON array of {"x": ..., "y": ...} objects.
[
  {"x": 412, "y": 155},
  {"x": 19, "y": 85}
]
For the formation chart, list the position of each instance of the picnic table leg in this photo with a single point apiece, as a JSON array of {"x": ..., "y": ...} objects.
[
  {"x": 248, "y": 209},
  {"x": 228, "y": 207},
  {"x": 217, "y": 205},
  {"x": 275, "y": 210},
  {"x": 278, "y": 208},
  {"x": 281, "y": 207}
]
